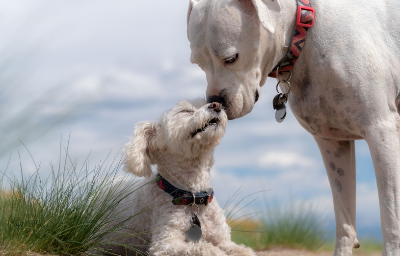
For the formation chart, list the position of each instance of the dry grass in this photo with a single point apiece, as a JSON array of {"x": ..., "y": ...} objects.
[
  {"x": 70, "y": 212},
  {"x": 289, "y": 226},
  {"x": 251, "y": 233},
  {"x": 4, "y": 252}
]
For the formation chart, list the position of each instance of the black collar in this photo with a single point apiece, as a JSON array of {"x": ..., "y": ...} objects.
[{"x": 183, "y": 197}]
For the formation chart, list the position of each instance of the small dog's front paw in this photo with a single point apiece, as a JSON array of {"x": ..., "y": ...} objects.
[
  {"x": 179, "y": 249},
  {"x": 244, "y": 252},
  {"x": 210, "y": 249},
  {"x": 238, "y": 250}
]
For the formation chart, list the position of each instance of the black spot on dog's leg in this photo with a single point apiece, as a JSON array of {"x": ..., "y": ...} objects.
[
  {"x": 332, "y": 165},
  {"x": 340, "y": 172},
  {"x": 339, "y": 152},
  {"x": 338, "y": 185},
  {"x": 345, "y": 144}
]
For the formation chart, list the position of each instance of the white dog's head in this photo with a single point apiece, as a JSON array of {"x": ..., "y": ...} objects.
[
  {"x": 236, "y": 43},
  {"x": 190, "y": 130}
]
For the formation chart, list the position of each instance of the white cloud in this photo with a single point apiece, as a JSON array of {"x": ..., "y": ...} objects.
[
  {"x": 296, "y": 188},
  {"x": 285, "y": 159},
  {"x": 295, "y": 182},
  {"x": 168, "y": 65},
  {"x": 88, "y": 84}
]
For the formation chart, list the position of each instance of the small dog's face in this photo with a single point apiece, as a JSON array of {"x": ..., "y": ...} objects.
[
  {"x": 192, "y": 127},
  {"x": 189, "y": 130}
]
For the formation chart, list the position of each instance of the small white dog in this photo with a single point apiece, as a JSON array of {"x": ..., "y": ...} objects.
[{"x": 181, "y": 144}]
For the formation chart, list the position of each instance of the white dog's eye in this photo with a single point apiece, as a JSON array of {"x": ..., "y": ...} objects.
[{"x": 231, "y": 59}]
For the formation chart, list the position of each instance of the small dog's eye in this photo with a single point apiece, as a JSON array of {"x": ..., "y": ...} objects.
[
  {"x": 187, "y": 111},
  {"x": 231, "y": 59}
]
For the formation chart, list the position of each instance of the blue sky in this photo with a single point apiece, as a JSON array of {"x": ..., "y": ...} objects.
[{"x": 115, "y": 63}]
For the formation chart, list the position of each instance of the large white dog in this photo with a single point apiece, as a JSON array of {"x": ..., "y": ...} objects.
[{"x": 345, "y": 86}]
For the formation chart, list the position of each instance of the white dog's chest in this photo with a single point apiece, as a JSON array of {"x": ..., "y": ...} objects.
[
  {"x": 334, "y": 100},
  {"x": 327, "y": 111}
]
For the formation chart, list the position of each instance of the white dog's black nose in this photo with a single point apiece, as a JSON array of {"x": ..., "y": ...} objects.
[
  {"x": 216, "y": 98},
  {"x": 216, "y": 106}
]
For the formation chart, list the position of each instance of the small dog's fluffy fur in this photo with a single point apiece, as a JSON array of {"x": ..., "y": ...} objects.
[{"x": 184, "y": 159}]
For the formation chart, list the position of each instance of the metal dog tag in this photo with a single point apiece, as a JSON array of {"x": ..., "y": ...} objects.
[
  {"x": 194, "y": 233},
  {"x": 278, "y": 104},
  {"x": 280, "y": 114}
]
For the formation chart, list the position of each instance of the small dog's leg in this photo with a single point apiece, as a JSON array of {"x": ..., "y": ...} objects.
[
  {"x": 171, "y": 241},
  {"x": 383, "y": 140},
  {"x": 172, "y": 247},
  {"x": 222, "y": 239},
  {"x": 339, "y": 161},
  {"x": 232, "y": 249}
]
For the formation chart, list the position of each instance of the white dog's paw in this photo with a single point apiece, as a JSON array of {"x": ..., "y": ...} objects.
[{"x": 356, "y": 244}]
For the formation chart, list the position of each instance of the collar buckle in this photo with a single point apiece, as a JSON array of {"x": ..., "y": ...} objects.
[
  {"x": 301, "y": 21},
  {"x": 208, "y": 197}
]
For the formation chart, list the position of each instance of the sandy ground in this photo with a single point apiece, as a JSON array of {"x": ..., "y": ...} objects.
[
  {"x": 292, "y": 252},
  {"x": 272, "y": 252}
]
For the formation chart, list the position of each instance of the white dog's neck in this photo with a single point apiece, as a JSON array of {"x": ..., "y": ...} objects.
[
  {"x": 274, "y": 47},
  {"x": 288, "y": 22},
  {"x": 188, "y": 174}
]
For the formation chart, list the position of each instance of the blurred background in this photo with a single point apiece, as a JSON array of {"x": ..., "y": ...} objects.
[{"x": 91, "y": 69}]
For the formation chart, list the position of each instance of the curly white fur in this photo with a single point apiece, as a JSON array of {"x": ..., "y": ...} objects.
[{"x": 185, "y": 161}]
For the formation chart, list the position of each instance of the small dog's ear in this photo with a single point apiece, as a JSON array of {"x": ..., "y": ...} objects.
[
  {"x": 191, "y": 4},
  {"x": 268, "y": 12},
  {"x": 138, "y": 159}
]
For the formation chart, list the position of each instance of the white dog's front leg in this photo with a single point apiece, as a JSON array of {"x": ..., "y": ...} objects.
[
  {"x": 383, "y": 142},
  {"x": 339, "y": 161}
]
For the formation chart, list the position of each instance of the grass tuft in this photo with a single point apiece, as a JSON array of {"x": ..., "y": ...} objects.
[
  {"x": 68, "y": 213},
  {"x": 289, "y": 226}
]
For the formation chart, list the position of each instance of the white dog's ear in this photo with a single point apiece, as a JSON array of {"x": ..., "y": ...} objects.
[
  {"x": 138, "y": 150},
  {"x": 268, "y": 12},
  {"x": 191, "y": 4}
]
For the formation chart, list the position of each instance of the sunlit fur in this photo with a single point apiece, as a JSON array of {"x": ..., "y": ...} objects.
[{"x": 184, "y": 161}]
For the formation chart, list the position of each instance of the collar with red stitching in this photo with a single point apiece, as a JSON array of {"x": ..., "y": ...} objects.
[{"x": 304, "y": 21}]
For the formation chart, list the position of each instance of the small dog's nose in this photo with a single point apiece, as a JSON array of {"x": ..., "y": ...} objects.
[{"x": 216, "y": 106}]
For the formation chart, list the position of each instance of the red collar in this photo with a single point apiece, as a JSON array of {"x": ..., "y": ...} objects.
[{"x": 304, "y": 21}]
